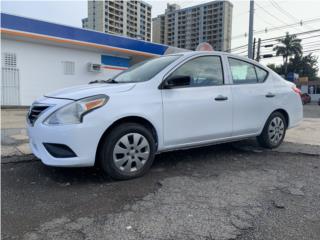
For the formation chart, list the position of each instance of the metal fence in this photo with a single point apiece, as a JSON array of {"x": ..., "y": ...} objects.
[{"x": 10, "y": 86}]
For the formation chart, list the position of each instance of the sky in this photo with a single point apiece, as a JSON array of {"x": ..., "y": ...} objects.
[{"x": 268, "y": 15}]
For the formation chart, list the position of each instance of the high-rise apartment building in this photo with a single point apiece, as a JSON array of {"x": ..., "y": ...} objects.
[
  {"x": 129, "y": 18},
  {"x": 186, "y": 28}
]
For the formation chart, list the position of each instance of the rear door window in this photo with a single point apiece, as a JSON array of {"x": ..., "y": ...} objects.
[
  {"x": 243, "y": 72},
  {"x": 261, "y": 74}
]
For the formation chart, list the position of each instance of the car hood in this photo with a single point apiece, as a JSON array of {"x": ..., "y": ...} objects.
[{"x": 82, "y": 91}]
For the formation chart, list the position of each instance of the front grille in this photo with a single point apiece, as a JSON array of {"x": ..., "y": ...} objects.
[{"x": 35, "y": 112}]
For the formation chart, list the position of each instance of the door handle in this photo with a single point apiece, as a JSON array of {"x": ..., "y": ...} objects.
[
  {"x": 270, "y": 95},
  {"x": 221, "y": 98}
]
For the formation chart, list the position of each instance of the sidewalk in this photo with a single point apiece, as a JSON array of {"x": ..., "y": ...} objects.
[{"x": 14, "y": 138}]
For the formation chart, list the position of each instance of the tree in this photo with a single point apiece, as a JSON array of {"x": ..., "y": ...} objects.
[
  {"x": 277, "y": 68},
  {"x": 288, "y": 46},
  {"x": 304, "y": 65}
]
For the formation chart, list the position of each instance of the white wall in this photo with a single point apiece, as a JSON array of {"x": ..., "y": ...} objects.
[
  {"x": 41, "y": 68},
  {"x": 314, "y": 97}
]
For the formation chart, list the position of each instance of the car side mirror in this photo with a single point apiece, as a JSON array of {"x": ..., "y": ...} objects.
[{"x": 177, "y": 81}]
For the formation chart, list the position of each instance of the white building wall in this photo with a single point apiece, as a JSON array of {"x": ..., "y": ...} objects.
[
  {"x": 314, "y": 96},
  {"x": 42, "y": 71},
  {"x": 156, "y": 29}
]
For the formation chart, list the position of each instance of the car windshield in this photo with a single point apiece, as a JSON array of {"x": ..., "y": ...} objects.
[{"x": 145, "y": 70}]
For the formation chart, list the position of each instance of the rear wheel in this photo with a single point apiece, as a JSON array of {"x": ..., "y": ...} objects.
[
  {"x": 128, "y": 151},
  {"x": 274, "y": 131}
]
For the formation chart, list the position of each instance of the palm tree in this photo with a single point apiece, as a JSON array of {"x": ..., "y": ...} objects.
[
  {"x": 289, "y": 45},
  {"x": 304, "y": 65}
]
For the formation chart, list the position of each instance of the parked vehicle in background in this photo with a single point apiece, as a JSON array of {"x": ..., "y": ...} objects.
[
  {"x": 305, "y": 98},
  {"x": 172, "y": 102}
]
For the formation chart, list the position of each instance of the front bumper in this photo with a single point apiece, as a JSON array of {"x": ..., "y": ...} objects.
[
  {"x": 82, "y": 139},
  {"x": 76, "y": 139}
]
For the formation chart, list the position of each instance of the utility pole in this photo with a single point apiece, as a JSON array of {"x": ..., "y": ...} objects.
[
  {"x": 254, "y": 48},
  {"x": 258, "y": 50},
  {"x": 250, "y": 35}
]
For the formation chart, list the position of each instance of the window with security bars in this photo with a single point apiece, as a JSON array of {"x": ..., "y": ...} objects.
[
  {"x": 9, "y": 60},
  {"x": 68, "y": 67}
]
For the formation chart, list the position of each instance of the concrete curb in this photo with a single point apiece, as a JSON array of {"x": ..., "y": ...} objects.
[
  {"x": 15, "y": 107},
  {"x": 290, "y": 147},
  {"x": 19, "y": 159},
  {"x": 251, "y": 145},
  {"x": 19, "y": 150}
]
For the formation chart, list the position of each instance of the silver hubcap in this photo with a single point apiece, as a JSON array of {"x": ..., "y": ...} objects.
[
  {"x": 131, "y": 152},
  {"x": 276, "y": 130}
]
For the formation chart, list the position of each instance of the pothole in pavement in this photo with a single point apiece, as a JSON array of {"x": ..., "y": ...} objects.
[{"x": 183, "y": 207}]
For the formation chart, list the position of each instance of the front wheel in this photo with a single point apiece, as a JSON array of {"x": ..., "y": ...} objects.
[
  {"x": 274, "y": 131},
  {"x": 128, "y": 151}
]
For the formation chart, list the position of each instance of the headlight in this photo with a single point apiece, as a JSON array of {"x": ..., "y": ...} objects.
[{"x": 74, "y": 112}]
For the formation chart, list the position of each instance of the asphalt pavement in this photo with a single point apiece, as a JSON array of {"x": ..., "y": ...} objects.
[{"x": 227, "y": 191}]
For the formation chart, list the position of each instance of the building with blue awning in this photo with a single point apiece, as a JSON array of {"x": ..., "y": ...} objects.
[{"x": 39, "y": 57}]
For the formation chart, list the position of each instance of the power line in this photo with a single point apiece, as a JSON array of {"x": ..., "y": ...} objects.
[
  {"x": 310, "y": 37},
  {"x": 275, "y": 42},
  {"x": 313, "y": 50},
  {"x": 310, "y": 49},
  {"x": 282, "y": 11},
  {"x": 278, "y": 28},
  {"x": 308, "y": 44},
  {"x": 287, "y": 13},
  {"x": 297, "y": 34},
  {"x": 287, "y": 26},
  {"x": 245, "y": 51},
  {"x": 311, "y": 45},
  {"x": 242, "y": 46},
  {"x": 303, "y": 52},
  {"x": 267, "y": 22},
  {"x": 305, "y": 48},
  {"x": 311, "y": 42},
  {"x": 274, "y": 39},
  {"x": 270, "y": 14},
  {"x": 307, "y": 51}
]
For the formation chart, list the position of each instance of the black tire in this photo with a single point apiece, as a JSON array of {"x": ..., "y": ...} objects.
[
  {"x": 264, "y": 139},
  {"x": 107, "y": 148}
]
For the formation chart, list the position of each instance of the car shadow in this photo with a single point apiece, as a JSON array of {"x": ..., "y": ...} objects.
[{"x": 165, "y": 164}]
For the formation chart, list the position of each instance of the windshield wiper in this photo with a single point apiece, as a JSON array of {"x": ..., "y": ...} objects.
[
  {"x": 111, "y": 80},
  {"x": 103, "y": 81}
]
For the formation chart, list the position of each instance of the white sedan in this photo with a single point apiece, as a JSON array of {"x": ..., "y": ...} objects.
[{"x": 172, "y": 102}]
